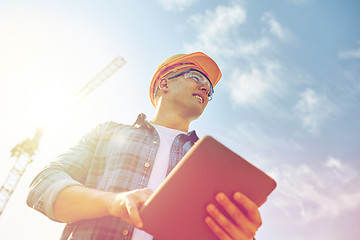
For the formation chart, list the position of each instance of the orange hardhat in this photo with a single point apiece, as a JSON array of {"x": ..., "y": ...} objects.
[{"x": 198, "y": 60}]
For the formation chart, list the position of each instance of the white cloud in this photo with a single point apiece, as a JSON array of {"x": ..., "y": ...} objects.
[
  {"x": 252, "y": 48},
  {"x": 214, "y": 29},
  {"x": 333, "y": 163},
  {"x": 275, "y": 27},
  {"x": 355, "y": 53},
  {"x": 176, "y": 5},
  {"x": 252, "y": 87},
  {"x": 220, "y": 21},
  {"x": 314, "y": 194},
  {"x": 340, "y": 170},
  {"x": 313, "y": 109},
  {"x": 218, "y": 34}
]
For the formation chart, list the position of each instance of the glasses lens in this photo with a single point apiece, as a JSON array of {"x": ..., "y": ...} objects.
[{"x": 200, "y": 78}]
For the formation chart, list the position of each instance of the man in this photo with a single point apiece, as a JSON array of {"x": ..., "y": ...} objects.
[{"x": 98, "y": 186}]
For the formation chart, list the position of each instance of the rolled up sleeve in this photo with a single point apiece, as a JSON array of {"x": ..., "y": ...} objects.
[{"x": 67, "y": 170}]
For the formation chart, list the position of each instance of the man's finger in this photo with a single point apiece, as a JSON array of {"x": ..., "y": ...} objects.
[
  {"x": 147, "y": 191},
  {"x": 216, "y": 229},
  {"x": 133, "y": 212},
  {"x": 231, "y": 209},
  {"x": 242, "y": 222},
  {"x": 250, "y": 208}
]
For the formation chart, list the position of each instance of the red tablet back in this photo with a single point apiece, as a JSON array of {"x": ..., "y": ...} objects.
[{"x": 176, "y": 210}]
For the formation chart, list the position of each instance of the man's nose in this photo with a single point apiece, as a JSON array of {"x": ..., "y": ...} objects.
[{"x": 205, "y": 88}]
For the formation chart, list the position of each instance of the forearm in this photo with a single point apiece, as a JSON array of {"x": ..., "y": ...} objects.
[
  {"x": 45, "y": 188},
  {"x": 76, "y": 203}
]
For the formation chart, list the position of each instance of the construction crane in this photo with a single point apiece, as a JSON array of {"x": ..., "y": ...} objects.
[{"x": 25, "y": 150}]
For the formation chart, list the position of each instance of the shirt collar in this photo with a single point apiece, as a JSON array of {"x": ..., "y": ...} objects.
[{"x": 141, "y": 122}]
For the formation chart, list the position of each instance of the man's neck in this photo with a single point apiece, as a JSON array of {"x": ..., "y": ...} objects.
[
  {"x": 174, "y": 122},
  {"x": 173, "y": 115},
  {"x": 167, "y": 117}
]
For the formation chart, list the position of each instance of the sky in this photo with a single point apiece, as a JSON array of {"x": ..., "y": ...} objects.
[{"x": 288, "y": 101}]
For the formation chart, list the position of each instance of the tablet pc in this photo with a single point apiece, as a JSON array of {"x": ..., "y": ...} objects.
[{"x": 176, "y": 210}]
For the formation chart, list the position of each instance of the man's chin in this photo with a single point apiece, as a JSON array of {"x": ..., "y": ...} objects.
[{"x": 195, "y": 112}]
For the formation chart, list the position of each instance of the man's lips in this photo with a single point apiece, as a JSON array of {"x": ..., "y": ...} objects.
[{"x": 199, "y": 97}]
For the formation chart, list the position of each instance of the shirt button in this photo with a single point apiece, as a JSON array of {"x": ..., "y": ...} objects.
[
  {"x": 125, "y": 232},
  {"x": 147, "y": 165},
  {"x": 154, "y": 142}
]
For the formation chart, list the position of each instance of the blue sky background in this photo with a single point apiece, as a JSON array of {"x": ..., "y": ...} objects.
[{"x": 288, "y": 101}]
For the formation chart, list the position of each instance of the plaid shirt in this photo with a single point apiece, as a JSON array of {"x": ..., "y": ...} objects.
[{"x": 112, "y": 157}]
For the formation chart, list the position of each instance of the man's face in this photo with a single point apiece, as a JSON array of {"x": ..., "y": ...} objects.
[{"x": 188, "y": 93}]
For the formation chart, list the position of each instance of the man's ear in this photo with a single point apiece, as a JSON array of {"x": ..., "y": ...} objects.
[{"x": 163, "y": 84}]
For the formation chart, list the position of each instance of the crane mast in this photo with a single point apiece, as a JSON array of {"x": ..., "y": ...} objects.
[{"x": 25, "y": 150}]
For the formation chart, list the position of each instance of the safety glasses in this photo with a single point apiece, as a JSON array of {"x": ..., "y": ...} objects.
[{"x": 198, "y": 77}]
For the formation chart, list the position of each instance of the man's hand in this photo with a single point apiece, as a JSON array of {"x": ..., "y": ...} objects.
[
  {"x": 76, "y": 203},
  {"x": 126, "y": 205},
  {"x": 245, "y": 219}
]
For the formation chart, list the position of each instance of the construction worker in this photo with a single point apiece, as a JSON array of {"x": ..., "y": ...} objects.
[{"x": 99, "y": 185}]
